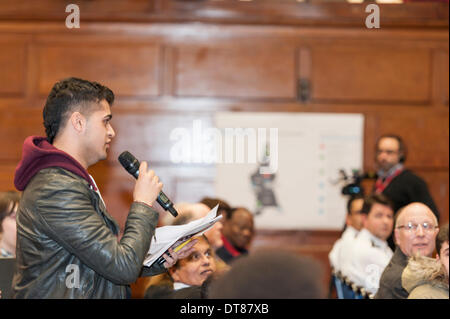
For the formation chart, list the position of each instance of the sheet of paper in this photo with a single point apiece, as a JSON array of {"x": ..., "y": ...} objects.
[{"x": 166, "y": 236}]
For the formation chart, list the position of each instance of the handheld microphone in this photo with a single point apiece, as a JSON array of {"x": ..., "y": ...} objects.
[{"x": 131, "y": 164}]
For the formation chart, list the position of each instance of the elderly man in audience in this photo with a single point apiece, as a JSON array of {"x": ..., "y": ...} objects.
[
  {"x": 427, "y": 278},
  {"x": 366, "y": 259},
  {"x": 416, "y": 228}
]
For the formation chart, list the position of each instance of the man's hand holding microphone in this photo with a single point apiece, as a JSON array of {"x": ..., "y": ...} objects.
[{"x": 147, "y": 189}]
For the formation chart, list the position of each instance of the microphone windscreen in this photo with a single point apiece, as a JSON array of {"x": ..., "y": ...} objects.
[{"x": 130, "y": 163}]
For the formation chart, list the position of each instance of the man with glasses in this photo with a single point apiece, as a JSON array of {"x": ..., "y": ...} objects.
[
  {"x": 427, "y": 278},
  {"x": 416, "y": 228}
]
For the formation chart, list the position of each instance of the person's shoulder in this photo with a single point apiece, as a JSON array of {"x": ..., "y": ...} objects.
[
  {"x": 194, "y": 292},
  {"x": 408, "y": 175},
  {"x": 57, "y": 176},
  {"x": 54, "y": 180}
]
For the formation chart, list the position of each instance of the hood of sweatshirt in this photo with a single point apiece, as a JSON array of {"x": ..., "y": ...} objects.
[{"x": 37, "y": 154}]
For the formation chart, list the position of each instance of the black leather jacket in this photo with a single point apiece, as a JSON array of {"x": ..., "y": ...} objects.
[{"x": 67, "y": 244}]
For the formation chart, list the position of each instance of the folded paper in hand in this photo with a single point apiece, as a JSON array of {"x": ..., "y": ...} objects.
[{"x": 172, "y": 236}]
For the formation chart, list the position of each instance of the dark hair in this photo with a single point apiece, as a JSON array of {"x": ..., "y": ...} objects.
[
  {"x": 372, "y": 199},
  {"x": 401, "y": 145},
  {"x": 270, "y": 274},
  {"x": 70, "y": 95},
  {"x": 441, "y": 238},
  {"x": 233, "y": 210},
  {"x": 212, "y": 202},
  {"x": 351, "y": 200},
  {"x": 8, "y": 201}
]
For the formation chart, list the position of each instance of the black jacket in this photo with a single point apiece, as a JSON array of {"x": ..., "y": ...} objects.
[
  {"x": 407, "y": 188},
  {"x": 67, "y": 244}
]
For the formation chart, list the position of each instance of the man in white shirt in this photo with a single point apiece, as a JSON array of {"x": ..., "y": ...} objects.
[
  {"x": 353, "y": 223},
  {"x": 364, "y": 262}
]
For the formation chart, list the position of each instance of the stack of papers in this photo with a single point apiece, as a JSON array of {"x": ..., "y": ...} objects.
[{"x": 172, "y": 236}]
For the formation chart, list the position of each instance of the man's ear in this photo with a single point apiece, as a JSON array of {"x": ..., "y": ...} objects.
[
  {"x": 364, "y": 220},
  {"x": 78, "y": 122},
  {"x": 348, "y": 220},
  {"x": 396, "y": 236}
]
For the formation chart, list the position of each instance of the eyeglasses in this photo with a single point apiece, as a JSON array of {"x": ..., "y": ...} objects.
[
  {"x": 388, "y": 152},
  {"x": 411, "y": 227}
]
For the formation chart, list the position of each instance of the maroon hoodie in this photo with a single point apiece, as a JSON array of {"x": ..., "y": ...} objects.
[{"x": 37, "y": 154}]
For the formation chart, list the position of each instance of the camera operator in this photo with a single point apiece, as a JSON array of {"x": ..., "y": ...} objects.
[{"x": 400, "y": 185}]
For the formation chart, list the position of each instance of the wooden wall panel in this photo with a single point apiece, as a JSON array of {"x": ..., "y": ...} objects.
[
  {"x": 236, "y": 71},
  {"x": 149, "y": 135},
  {"x": 438, "y": 184},
  {"x": 370, "y": 74},
  {"x": 128, "y": 69},
  {"x": 443, "y": 81},
  {"x": 15, "y": 125},
  {"x": 13, "y": 66},
  {"x": 428, "y": 151},
  {"x": 7, "y": 176}
]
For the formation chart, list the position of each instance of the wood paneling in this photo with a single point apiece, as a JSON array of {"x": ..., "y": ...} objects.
[
  {"x": 154, "y": 136},
  {"x": 438, "y": 184},
  {"x": 370, "y": 74},
  {"x": 12, "y": 65},
  {"x": 128, "y": 69},
  {"x": 167, "y": 73},
  {"x": 262, "y": 12},
  {"x": 429, "y": 150},
  {"x": 15, "y": 125},
  {"x": 236, "y": 71}
]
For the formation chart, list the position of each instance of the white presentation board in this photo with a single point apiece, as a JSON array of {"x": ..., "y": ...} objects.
[{"x": 296, "y": 191}]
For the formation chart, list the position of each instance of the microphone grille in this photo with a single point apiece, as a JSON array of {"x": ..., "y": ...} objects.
[
  {"x": 129, "y": 162},
  {"x": 126, "y": 158}
]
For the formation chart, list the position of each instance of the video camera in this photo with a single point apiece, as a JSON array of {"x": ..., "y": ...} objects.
[{"x": 353, "y": 185}]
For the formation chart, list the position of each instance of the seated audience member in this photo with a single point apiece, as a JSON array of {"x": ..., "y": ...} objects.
[
  {"x": 353, "y": 224},
  {"x": 187, "y": 212},
  {"x": 270, "y": 275},
  {"x": 186, "y": 277},
  {"x": 427, "y": 278},
  {"x": 415, "y": 234},
  {"x": 9, "y": 202},
  {"x": 237, "y": 234},
  {"x": 370, "y": 253}
]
